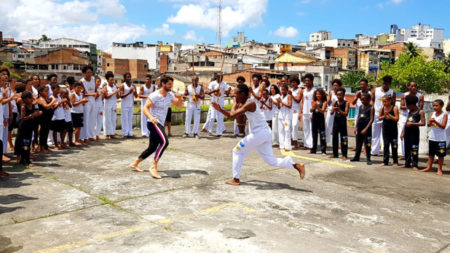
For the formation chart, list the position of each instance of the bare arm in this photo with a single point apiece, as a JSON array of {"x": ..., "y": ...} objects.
[
  {"x": 236, "y": 111},
  {"x": 402, "y": 103}
]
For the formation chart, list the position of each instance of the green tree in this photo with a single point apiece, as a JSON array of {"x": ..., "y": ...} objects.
[
  {"x": 411, "y": 49},
  {"x": 352, "y": 79},
  {"x": 7, "y": 64},
  {"x": 447, "y": 63},
  {"x": 43, "y": 38},
  {"x": 430, "y": 77}
]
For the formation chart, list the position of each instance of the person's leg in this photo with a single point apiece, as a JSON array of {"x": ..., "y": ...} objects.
[
  {"x": 114, "y": 123},
  {"x": 329, "y": 127},
  {"x": 154, "y": 142},
  {"x": 92, "y": 121},
  {"x": 188, "y": 120},
  {"x": 386, "y": 146},
  {"x": 123, "y": 121},
  {"x": 394, "y": 148},
  {"x": 408, "y": 150},
  {"x": 335, "y": 140},
  {"x": 307, "y": 139},
  {"x": 205, "y": 127},
  {"x": 287, "y": 135},
  {"x": 43, "y": 135},
  {"x": 440, "y": 164},
  {"x": 315, "y": 132},
  {"x": 294, "y": 130},
  {"x": 2, "y": 172},
  {"x": 98, "y": 126},
  {"x": 220, "y": 124},
  {"x": 281, "y": 133},
  {"x": 240, "y": 152},
  {"x": 359, "y": 142},
  {"x": 401, "y": 124},
  {"x": 197, "y": 114},
  {"x": 368, "y": 145},
  {"x": 106, "y": 121},
  {"x": 376, "y": 137},
  {"x": 323, "y": 142},
  {"x": 415, "y": 152},
  {"x": 264, "y": 148},
  {"x": 344, "y": 141},
  {"x": 5, "y": 138},
  {"x": 275, "y": 134},
  {"x": 144, "y": 129}
]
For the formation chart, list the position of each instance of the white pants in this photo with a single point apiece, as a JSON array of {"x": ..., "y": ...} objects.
[
  {"x": 402, "y": 122},
  {"x": 208, "y": 118},
  {"x": 127, "y": 121},
  {"x": 109, "y": 120},
  {"x": 275, "y": 133},
  {"x": 295, "y": 126},
  {"x": 144, "y": 128},
  {"x": 89, "y": 120},
  {"x": 262, "y": 142},
  {"x": 217, "y": 116},
  {"x": 376, "y": 136},
  {"x": 307, "y": 135},
  {"x": 5, "y": 138},
  {"x": 284, "y": 128},
  {"x": 329, "y": 126},
  {"x": 99, "y": 121},
  {"x": 192, "y": 111},
  {"x": 235, "y": 128}
]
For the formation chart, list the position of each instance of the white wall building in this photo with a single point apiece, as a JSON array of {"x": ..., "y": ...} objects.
[
  {"x": 328, "y": 43},
  {"x": 319, "y": 36},
  {"x": 423, "y": 36},
  {"x": 446, "y": 46},
  {"x": 137, "y": 50},
  {"x": 72, "y": 43}
]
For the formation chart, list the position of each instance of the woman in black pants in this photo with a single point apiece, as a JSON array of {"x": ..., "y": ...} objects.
[
  {"x": 46, "y": 106},
  {"x": 318, "y": 109}
]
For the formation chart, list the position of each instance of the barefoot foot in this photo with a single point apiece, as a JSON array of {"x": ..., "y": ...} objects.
[
  {"x": 233, "y": 181},
  {"x": 135, "y": 167},
  {"x": 301, "y": 169}
]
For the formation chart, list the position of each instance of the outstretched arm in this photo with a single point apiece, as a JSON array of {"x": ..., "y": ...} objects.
[{"x": 236, "y": 110}]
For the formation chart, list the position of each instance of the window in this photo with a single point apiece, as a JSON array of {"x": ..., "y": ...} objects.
[{"x": 107, "y": 64}]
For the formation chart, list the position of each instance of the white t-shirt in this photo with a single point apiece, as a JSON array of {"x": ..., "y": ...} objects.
[
  {"x": 256, "y": 120},
  {"x": 274, "y": 107},
  {"x": 58, "y": 113},
  {"x": 268, "y": 113},
  {"x": 295, "y": 105},
  {"x": 161, "y": 105},
  {"x": 307, "y": 100},
  {"x": 285, "y": 112},
  {"x": 191, "y": 93},
  {"x": 112, "y": 101},
  {"x": 89, "y": 87},
  {"x": 220, "y": 99},
  {"x": 78, "y": 108},
  {"x": 128, "y": 101}
]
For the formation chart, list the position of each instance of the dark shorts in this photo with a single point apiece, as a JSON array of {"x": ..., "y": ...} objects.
[
  {"x": 169, "y": 115},
  {"x": 437, "y": 148},
  {"x": 14, "y": 123},
  {"x": 68, "y": 126},
  {"x": 77, "y": 120},
  {"x": 57, "y": 125}
]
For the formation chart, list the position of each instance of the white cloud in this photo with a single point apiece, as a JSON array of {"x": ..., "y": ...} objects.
[
  {"x": 397, "y": 1},
  {"x": 286, "y": 32},
  {"x": 235, "y": 14},
  {"x": 79, "y": 19},
  {"x": 192, "y": 36},
  {"x": 163, "y": 30}
]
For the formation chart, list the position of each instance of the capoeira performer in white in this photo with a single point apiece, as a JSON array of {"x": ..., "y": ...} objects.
[
  {"x": 259, "y": 138},
  {"x": 208, "y": 116},
  {"x": 145, "y": 91},
  {"x": 155, "y": 109},
  {"x": 377, "y": 101},
  {"x": 307, "y": 99},
  {"x": 194, "y": 93},
  {"x": 217, "y": 92},
  {"x": 295, "y": 91}
]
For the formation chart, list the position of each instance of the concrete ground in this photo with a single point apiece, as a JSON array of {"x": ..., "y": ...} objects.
[{"x": 88, "y": 200}]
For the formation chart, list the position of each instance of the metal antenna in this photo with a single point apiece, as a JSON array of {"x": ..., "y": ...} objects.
[{"x": 219, "y": 24}]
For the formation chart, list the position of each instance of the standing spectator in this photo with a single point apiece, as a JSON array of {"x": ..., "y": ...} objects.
[
  {"x": 111, "y": 94},
  {"x": 194, "y": 93},
  {"x": 274, "y": 95},
  {"x": 336, "y": 84},
  {"x": 389, "y": 116},
  {"x": 98, "y": 108},
  {"x": 145, "y": 91},
  {"x": 127, "y": 94},
  {"x": 89, "y": 117},
  {"x": 318, "y": 109},
  {"x": 307, "y": 97},
  {"x": 285, "y": 118},
  {"x": 340, "y": 109},
  {"x": 364, "y": 127},
  {"x": 295, "y": 91}
]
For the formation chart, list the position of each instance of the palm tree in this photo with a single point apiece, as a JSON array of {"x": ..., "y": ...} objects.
[
  {"x": 447, "y": 63},
  {"x": 411, "y": 49},
  {"x": 43, "y": 38}
]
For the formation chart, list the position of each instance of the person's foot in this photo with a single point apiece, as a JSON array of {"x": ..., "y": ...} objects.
[
  {"x": 58, "y": 148},
  {"x": 369, "y": 162},
  {"x": 112, "y": 137},
  {"x": 196, "y": 136},
  {"x": 185, "y": 135},
  {"x": 382, "y": 165},
  {"x": 234, "y": 181},
  {"x": 439, "y": 173},
  {"x": 154, "y": 171},
  {"x": 170, "y": 135},
  {"x": 218, "y": 136},
  {"x": 301, "y": 169},
  {"x": 4, "y": 174},
  {"x": 71, "y": 144},
  {"x": 97, "y": 138},
  {"x": 135, "y": 167},
  {"x": 203, "y": 130},
  {"x": 344, "y": 158},
  {"x": 332, "y": 156},
  {"x": 32, "y": 165},
  {"x": 77, "y": 144},
  {"x": 324, "y": 154},
  {"x": 11, "y": 148},
  {"x": 426, "y": 170},
  {"x": 415, "y": 169},
  {"x": 354, "y": 160},
  {"x": 6, "y": 159},
  {"x": 395, "y": 164},
  {"x": 91, "y": 139}
]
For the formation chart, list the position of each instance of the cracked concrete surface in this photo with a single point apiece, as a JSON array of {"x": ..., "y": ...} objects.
[{"x": 88, "y": 200}]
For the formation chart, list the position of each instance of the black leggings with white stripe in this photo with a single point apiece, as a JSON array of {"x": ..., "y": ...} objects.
[{"x": 158, "y": 141}]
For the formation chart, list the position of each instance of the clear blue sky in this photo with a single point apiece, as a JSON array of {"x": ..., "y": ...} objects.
[
  {"x": 192, "y": 21},
  {"x": 344, "y": 18}
]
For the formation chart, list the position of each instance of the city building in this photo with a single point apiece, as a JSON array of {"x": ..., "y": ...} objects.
[
  {"x": 136, "y": 51},
  {"x": 366, "y": 41},
  {"x": 137, "y": 68},
  {"x": 370, "y": 59},
  {"x": 347, "y": 57},
  {"x": 82, "y": 46},
  {"x": 386, "y": 38},
  {"x": 62, "y": 61},
  {"x": 446, "y": 46},
  {"x": 319, "y": 36},
  {"x": 329, "y": 43},
  {"x": 422, "y": 35}
]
